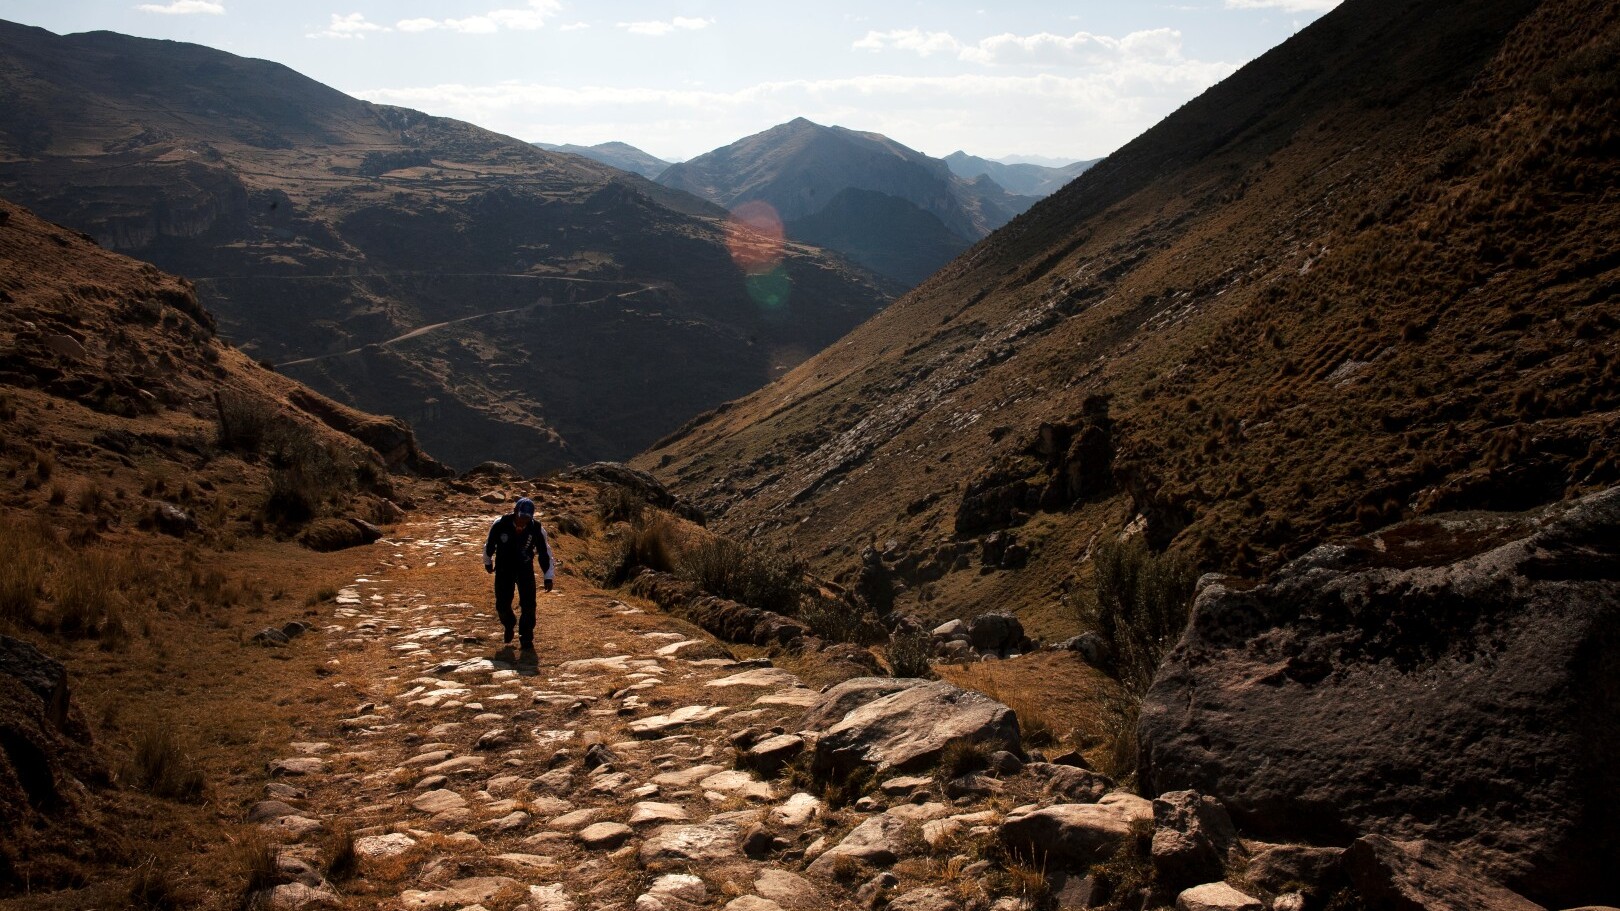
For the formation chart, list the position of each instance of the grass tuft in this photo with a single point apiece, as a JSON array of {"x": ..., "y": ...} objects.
[{"x": 161, "y": 766}]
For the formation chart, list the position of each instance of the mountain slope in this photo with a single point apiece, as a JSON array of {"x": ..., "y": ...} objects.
[
  {"x": 1023, "y": 178},
  {"x": 1368, "y": 276},
  {"x": 799, "y": 168},
  {"x": 621, "y": 155},
  {"x": 485, "y": 290}
]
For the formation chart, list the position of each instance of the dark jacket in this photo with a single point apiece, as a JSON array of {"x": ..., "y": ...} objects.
[{"x": 512, "y": 550}]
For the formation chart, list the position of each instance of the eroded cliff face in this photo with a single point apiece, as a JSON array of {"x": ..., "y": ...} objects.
[
  {"x": 1427, "y": 681},
  {"x": 1362, "y": 279}
]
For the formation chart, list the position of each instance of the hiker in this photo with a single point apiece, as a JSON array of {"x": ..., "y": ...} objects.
[{"x": 515, "y": 540}]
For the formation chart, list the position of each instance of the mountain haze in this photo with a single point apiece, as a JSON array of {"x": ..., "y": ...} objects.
[
  {"x": 1021, "y": 178},
  {"x": 800, "y": 169},
  {"x": 511, "y": 303},
  {"x": 1367, "y": 277},
  {"x": 621, "y": 155}
]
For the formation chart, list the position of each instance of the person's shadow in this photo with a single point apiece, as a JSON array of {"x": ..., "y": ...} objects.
[{"x": 525, "y": 662}]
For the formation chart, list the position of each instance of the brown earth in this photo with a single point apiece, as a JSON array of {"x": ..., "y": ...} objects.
[
  {"x": 1369, "y": 276},
  {"x": 509, "y": 302}
]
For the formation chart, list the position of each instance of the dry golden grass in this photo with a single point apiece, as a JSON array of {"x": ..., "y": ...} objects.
[{"x": 1059, "y": 699}]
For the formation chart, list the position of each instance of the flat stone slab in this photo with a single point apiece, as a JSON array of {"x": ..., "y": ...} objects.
[
  {"x": 739, "y": 784},
  {"x": 679, "y": 847},
  {"x": 759, "y": 676},
  {"x": 297, "y": 765},
  {"x": 477, "y": 890},
  {"x": 681, "y": 717},
  {"x": 439, "y": 801},
  {"x": 377, "y": 847},
  {"x": 787, "y": 889},
  {"x": 797, "y": 812},
  {"x": 650, "y": 812},
  {"x": 799, "y": 697},
  {"x": 685, "y": 778},
  {"x": 604, "y": 836}
]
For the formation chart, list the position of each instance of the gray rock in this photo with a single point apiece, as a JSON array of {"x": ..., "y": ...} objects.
[
  {"x": 949, "y": 629},
  {"x": 1070, "y": 784},
  {"x": 604, "y": 836},
  {"x": 911, "y": 728},
  {"x": 680, "y": 847},
  {"x": 874, "y": 891},
  {"x": 298, "y": 896},
  {"x": 439, "y": 801},
  {"x": 752, "y": 903},
  {"x": 271, "y": 810},
  {"x": 928, "y": 898},
  {"x": 1216, "y": 897},
  {"x": 789, "y": 890},
  {"x": 875, "y": 842},
  {"x": 1193, "y": 839},
  {"x": 1424, "y": 876},
  {"x": 1075, "y": 836},
  {"x": 845, "y": 697},
  {"x": 477, "y": 890},
  {"x": 297, "y": 765},
  {"x": 269, "y": 637},
  {"x": 1388, "y": 685},
  {"x": 772, "y": 753},
  {"x": 995, "y": 632},
  {"x": 650, "y": 813},
  {"x": 1276, "y": 868},
  {"x": 1003, "y": 763}
]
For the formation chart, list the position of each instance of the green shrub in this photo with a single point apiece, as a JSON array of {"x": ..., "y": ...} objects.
[
  {"x": 1141, "y": 607},
  {"x": 619, "y": 504},
  {"x": 650, "y": 545},
  {"x": 246, "y": 422},
  {"x": 909, "y": 651},
  {"x": 833, "y": 621},
  {"x": 740, "y": 573}
]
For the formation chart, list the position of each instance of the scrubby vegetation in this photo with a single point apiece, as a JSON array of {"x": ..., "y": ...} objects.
[
  {"x": 744, "y": 574},
  {"x": 1141, "y": 604}
]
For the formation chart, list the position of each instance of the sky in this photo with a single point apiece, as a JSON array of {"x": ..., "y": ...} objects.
[{"x": 677, "y": 78}]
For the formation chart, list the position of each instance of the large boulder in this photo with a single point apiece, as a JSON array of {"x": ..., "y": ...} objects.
[
  {"x": 1073, "y": 836},
  {"x": 911, "y": 728},
  {"x": 842, "y": 698},
  {"x": 1449, "y": 678},
  {"x": 1193, "y": 839},
  {"x": 1422, "y": 876}
]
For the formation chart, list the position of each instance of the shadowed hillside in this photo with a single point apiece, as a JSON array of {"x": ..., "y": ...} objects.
[
  {"x": 621, "y": 155},
  {"x": 511, "y": 303},
  {"x": 1367, "y": 277}
]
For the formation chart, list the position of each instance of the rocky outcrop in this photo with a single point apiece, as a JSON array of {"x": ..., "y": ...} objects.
[
  {"x": 911, "y": 728},
  {"x": 1422, "y": 876},
  {"x": 639, "y": 483},
  {"x": 1428, "y": 681},
  {"x": 47, "y": 762}
]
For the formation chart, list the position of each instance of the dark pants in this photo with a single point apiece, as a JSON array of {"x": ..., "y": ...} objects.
[{"x": 523, "y": 579}]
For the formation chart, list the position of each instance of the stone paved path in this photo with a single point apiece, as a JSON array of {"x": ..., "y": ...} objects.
[{"x": 599, "y": 775}]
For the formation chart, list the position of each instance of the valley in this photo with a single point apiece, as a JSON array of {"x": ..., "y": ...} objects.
[{"x": 1228, "y": 524}]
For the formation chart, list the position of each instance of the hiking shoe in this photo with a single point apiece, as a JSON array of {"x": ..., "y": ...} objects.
[{"x": 509, "y": 630}]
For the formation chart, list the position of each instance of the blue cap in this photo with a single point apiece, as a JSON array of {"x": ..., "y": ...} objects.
[{"x": 525, "y": 507}]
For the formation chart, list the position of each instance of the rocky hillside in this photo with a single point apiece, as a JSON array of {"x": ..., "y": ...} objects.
[
  {"x": 1022, "y": 178},
  {"x": 802, "y": 170},
  {"x": 1370, "y": 276},
  {"x": 621, "y": 155},
  {"x": 142, "y": 458},
  {"x": 509, "y": 302}
]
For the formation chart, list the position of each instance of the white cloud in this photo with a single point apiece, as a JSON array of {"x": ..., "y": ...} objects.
[
  {"x": 659, "y": 27},
  {"x": 1042, "y": 49},
  {"x": 526, "y": 18},
  {"x": 354, "y": 25},
  {"x": 1081, "y": 114},
  {"x": 1289, "y": 6},
  {"x": 573, "y": 26},
  {"x": 184, "y": 8},
  {"x": 916, "y": 40}
]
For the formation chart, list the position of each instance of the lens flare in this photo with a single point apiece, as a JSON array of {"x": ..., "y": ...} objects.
[{"x": 755, "y": 238}]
